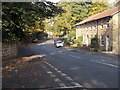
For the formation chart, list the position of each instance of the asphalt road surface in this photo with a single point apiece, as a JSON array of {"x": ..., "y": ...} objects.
[{"x": 65, "y": 67}]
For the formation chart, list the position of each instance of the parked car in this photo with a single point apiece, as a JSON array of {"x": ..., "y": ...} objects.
[{"x": 59, "y": 44}]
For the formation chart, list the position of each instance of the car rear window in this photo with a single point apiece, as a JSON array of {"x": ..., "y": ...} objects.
[{"x": 59, "y": 42}]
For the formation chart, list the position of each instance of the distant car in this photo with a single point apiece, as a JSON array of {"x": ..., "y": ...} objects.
[
  {"x": 34, "y": 40},
  {"x": 55, "y": 42},
  {"x": 59, "y": 44}
]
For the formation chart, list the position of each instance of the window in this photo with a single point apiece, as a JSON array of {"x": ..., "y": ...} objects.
[
  {"x": 92, "y": 36},
  {"x": 119, "y": 37},
  {"x": 101, "y": 40},
  {"x": 101, "y": 26},
  {"x": 90, "y": 27},
  {"x": 86, "y": 28},
  {"x": 93, "y": 26},
  {"x": 107, "y": 25}
]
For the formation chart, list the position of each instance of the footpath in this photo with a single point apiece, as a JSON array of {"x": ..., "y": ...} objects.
[
  {"x": 93, "y": 52},
  {"x": 25, "y": 72}
]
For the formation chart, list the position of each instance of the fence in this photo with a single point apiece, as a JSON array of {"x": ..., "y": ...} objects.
[{"x": 9, "y": 50}]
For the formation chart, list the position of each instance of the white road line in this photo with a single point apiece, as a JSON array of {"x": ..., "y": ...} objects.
[
  {"x": 105, "y": 63},
  {"x": 53, "y": 75},
  {"x": 59, "y": 71},
  {"x": 68, "y": 78},
  {"x": 52, "y": 66},
  {"x": 76, "y": 84},
  {"x": 49, "y": 64},
  {"x": 63, "y": 74},
  {"x": 62, "y": 53},
  {"x": 52, "y": 53},
  {"x": 56, "y": 69},
  {"x": 49, "y": 72},
  {"x": 74, "y": 56},
  {"x": 62, "y": 85},
  {"x": 57, "y": 80}
]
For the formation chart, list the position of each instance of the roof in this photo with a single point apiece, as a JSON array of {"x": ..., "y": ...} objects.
[{"x": 103, "y": 14}]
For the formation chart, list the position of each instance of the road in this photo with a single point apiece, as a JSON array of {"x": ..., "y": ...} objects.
[{"x": 64, "y": 67}]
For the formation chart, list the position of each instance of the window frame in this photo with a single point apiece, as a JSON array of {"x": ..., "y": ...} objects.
[{"x": 102, "y": 42}]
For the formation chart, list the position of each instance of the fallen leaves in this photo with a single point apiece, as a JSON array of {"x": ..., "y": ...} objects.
[
  {"x": 20, "y": 62},
  {"x": 32, "y": 57}
]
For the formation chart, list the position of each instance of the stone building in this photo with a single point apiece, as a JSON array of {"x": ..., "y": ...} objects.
[{"x": 105, "y": 26}]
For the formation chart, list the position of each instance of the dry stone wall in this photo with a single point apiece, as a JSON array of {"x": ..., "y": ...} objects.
[{"x": 9, "y": 50}]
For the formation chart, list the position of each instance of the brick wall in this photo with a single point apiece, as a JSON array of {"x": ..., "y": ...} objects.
[{"x": 9, "y": 50}]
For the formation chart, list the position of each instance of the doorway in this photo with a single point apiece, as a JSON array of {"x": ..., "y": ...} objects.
[{"x": 107, "y": 43}]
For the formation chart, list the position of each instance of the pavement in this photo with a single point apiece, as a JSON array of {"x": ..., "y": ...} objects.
[
  {"x": 48, "y": 67},
  {"x": 109, "y": 53}
]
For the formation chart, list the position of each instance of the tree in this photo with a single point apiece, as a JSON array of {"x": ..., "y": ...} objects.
[
  {"x": 97, "y": 7},
  {"x": 75, "y": 12},
  {"x": 21, "y": 19}
]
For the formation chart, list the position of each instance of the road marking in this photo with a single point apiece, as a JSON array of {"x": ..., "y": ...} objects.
[
  {"x": 71, "y": 87},
  {"x": 63, "y": 74},
  {"x": 48, "y": 64},
  {"x": 53, "y": 75},
  {"x": 62, "y": 85},
  {"x": 105, "y": 63},
  {"x": 52, "y": 53},
  {"x": 56, "y": 79},
  {"x": 62, "y": 53},
  {"x": 75, "y": 68},
  {"x": 59, "y": 71},
  {"x": 74, "y": 56},
  {"x": 76, "y": 84},
  {"x": 56, "y": 69},
  {"x": 68, "y": 78},
  {"x": 49, "y": 72}
]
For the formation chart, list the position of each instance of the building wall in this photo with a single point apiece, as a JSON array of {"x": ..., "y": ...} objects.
[
  {"x": 116, "y": 33},
  {"x": 105, "y": 31},
  {"x": 88, "y": 31},
  {"x": 106, "y": 28}
]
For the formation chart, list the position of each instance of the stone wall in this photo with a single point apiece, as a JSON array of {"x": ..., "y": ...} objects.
[
  {"x": 9, "y": 50},
  {"x": 116, "y": 26},
  {"x": 107, "y": 29}
]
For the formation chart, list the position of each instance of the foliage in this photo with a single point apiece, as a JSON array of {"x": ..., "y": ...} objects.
[
  {"x": 78, "y": 41},
  {"x": 117, "y": 3},
  {"x": 80, "y": 10},
  {"x": 97, "y": 7},
  {"x": 94, "y": 42},
  {"x": 72, "y": 34},
  {"x": 22, "y": 19},
  {"x": 40, "y": 35},
  {"x": 75, "y": 12},
  {"x": 64, "y": 22}
]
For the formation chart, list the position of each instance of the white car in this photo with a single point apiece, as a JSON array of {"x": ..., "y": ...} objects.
[{"x": 59, "y": 44}]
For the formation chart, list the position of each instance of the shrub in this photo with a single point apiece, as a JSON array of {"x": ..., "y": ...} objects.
[
  {"x": 78, "y": 41},
  {"x": 94, "y": 42}
]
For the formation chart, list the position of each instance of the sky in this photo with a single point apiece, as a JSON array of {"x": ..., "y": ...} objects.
[{"x": 110, "y": 1}]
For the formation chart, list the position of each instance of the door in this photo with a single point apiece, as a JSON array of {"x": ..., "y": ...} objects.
[
  {"x": 107, "y": 43},
  {"x": 87, "y": 40}
]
